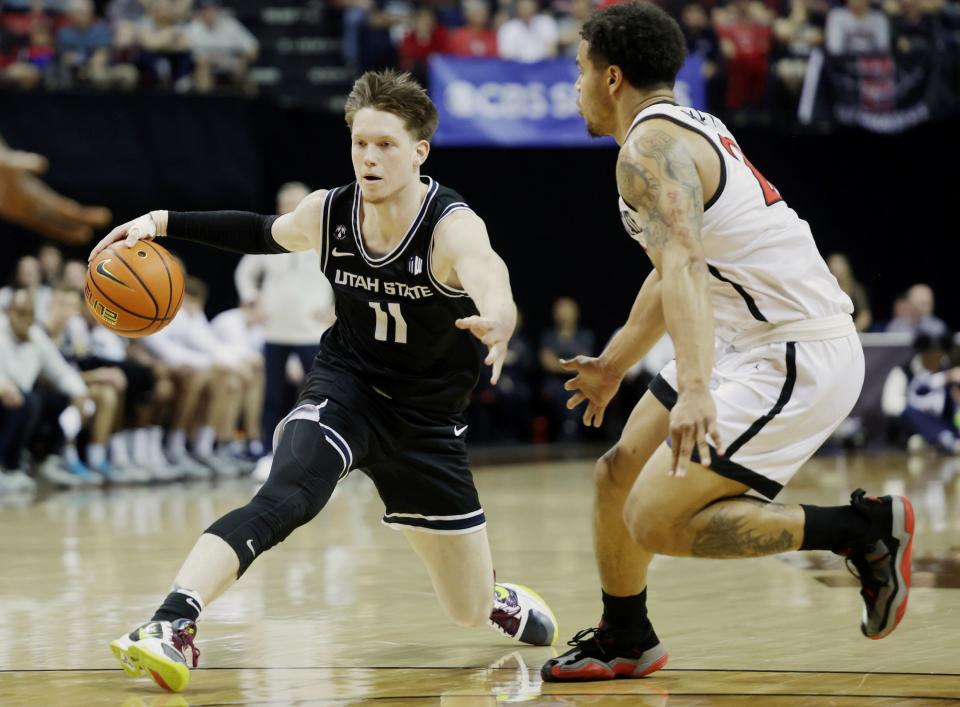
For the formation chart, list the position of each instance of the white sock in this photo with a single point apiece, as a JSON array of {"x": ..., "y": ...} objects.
[
  {"x": 141, "y": 445},
  {"x": 155, "y": 445},
  {"x": 70, "y": 454},
  {"x": 203, "y": 442},
  {"x": 119, "y": 454},
  {"x": 96, "y": 455},
  {"x": 177, "y": 443}
]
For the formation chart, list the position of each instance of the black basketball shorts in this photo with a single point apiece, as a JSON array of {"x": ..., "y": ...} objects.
[{"x": 416, "y": 459}]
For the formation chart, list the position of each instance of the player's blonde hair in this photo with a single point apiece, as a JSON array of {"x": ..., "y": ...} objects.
[{"x": 396, "y": 93}]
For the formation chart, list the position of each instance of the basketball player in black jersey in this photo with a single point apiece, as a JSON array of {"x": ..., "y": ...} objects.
[{"x": 419, "y": 290}]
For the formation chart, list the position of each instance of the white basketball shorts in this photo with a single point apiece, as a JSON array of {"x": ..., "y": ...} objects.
[{"x": 776, "y": 404}]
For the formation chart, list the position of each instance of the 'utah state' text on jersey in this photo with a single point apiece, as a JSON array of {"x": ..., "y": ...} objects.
[{"x": 395, "y": 320}]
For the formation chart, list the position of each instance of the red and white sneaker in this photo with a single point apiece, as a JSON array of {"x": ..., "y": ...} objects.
[
  {"x": 598, "y": 654},
  {"x": 883, "y": 565},
  {"x": 522, "y": 614}
]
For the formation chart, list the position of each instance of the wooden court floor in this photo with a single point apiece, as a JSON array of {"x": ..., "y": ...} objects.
[{"x": 342, "y": 614}]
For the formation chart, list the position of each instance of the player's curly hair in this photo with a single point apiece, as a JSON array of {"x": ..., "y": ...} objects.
[
  {"x": 397, "y": 93},
  {"x": 643, "y": 40}
]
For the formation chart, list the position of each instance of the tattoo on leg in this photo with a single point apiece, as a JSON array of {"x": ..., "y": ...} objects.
[{"x": 726, "y": 536}]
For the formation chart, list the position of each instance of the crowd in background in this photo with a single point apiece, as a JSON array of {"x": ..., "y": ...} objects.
[
  {"x": 81, "y": 406},
  {"x": 180, "y": 45},
  {"x": 755, "y": 52}
]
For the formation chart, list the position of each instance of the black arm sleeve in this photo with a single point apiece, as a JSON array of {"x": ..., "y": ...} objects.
[{"x": 236, "y": 231}]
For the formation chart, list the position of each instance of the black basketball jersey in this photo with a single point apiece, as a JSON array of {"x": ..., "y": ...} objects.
[{"x": 395, "y": 320}]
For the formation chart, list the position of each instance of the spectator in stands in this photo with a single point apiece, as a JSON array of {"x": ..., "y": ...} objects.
[
  {"x": 241, "y": 329},
  {"x": 26, "y": 355},
  {"x": 857, "y": 29},
  {"x": 743, "y": 27},
  {"x": 106, "y": 383},
  {"x": 925, "y": 394},
  {"x": 209, "y": 372},
  {"x": 74, "y": 274},
  {"x": 298, "y": 306},
  {"x": 26, "y": 42},
  {"x": 222, "y": 48},
  {"x": 50, "y": 260},
  {"x": 702, "y": 40},
  {"x": 85, "y": 43},
  {"x": 165, "y": 48},
  {"x": 840, "y": 268},
  {"x": 425, "y": 38},
  {"x": 916, "y": 25},
  {"x": 370, "y": 27},
  {"x": 477, "y": 38},
  {"x": 564, "y": 341},
  {"x": 915, "y": 315},
  {"x": 27, "y": 276},
  {"x": 530, "y": 36},
  {"x": 569, "y": 26},
  {"x": 449, "y": 12},
  {"x": 503, "y": 413},
  {"x": 796, "y": 36}
]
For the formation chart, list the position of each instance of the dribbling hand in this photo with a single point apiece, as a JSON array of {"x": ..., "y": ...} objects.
[
  {"x": 495, "y": 334},
  {"x": 593, "y": 382},
  {"x": 142, "y": 227}
]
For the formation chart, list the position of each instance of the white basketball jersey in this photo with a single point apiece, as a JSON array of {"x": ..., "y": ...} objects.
[{"x": 763, "y": 261}]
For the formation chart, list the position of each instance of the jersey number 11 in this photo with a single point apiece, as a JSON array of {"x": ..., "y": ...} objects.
[{"x": 383, "y": 322}]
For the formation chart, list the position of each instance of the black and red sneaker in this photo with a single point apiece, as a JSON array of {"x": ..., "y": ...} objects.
[
  {"x": 883, "y": 564},
  {"x": 601, "y": 654}
]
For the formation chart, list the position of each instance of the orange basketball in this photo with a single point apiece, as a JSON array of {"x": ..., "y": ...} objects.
[{"x": 134, "y": 291}]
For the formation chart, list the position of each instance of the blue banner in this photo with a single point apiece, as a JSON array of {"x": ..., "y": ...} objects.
[{"x": 512, "y": 104}]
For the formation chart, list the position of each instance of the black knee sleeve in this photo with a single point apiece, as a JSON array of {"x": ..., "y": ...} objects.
[{"x": 305, "y": 471}]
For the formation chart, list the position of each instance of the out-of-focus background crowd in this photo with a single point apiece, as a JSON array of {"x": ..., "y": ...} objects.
[{"x": 755, "y": 57}]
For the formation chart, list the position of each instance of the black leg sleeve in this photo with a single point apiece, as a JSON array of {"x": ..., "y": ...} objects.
[{"x": 305, "y": 471}]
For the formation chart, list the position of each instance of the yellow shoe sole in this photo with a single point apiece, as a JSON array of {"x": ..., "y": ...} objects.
[
  {"x": 168, "y": 674},
  {"x": 130, "y": 667}
]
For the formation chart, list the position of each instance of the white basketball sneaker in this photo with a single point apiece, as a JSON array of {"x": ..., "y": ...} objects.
[
  {"x": 522, "y": 614},
  {"x": 159, "y": 649}
]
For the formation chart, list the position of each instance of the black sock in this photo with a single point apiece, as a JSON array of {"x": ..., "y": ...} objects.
[
  {"x": 627, "y": 614},
  {"x": 835, "y": 528},
  {"x": 179, "y": 604}
]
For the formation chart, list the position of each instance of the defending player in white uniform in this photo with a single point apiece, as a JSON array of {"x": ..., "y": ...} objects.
[{"x": 767, "y": 361}]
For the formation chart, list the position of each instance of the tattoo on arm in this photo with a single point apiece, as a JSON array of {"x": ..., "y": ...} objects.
[
  {"x": 657, "y": 176},
  {"x": 727, "y": 535}
]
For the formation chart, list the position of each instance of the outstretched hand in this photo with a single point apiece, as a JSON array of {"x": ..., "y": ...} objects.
[
  {"x": 495, "y": 334},
  {"x": 593, "y": 382},
  {"x": 26, "y": 201}
]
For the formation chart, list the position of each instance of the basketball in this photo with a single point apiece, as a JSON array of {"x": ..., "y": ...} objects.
[{"x": 134, "y": 291}]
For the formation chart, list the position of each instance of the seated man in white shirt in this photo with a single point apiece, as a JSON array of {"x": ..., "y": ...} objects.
[
  {"x": 27, "y": 355},
  {"x": 211, "y": 378},
  {"x": 530, "y": 36},
  {"x": 241, "y": 329},
  {"x": 222, "y": 47}
]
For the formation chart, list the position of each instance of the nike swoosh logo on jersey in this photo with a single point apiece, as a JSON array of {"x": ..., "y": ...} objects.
[
  {"x": 250, "y": 545},
  {"x": 340, "y": 254},
  {"x": 459, "y": 430},
  {"x": 102, "y": 269}
]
